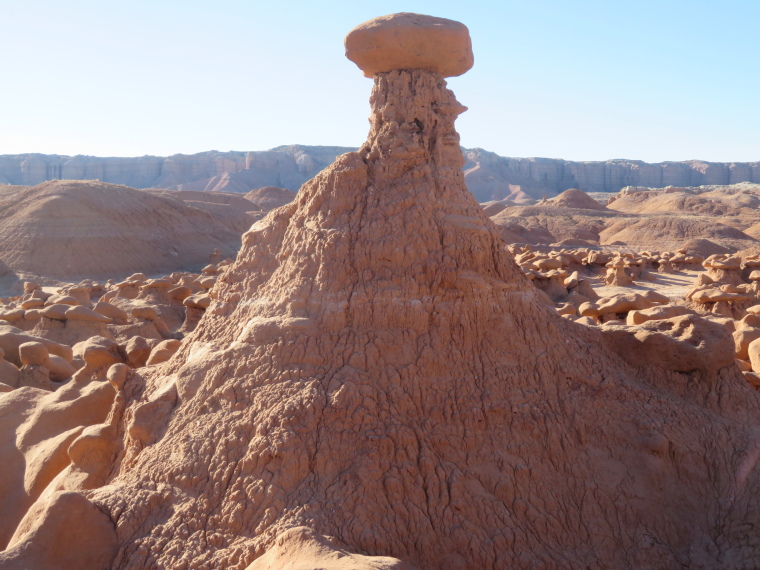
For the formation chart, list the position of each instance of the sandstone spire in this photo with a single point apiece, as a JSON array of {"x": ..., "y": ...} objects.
[{"x": 376, "y": 369}]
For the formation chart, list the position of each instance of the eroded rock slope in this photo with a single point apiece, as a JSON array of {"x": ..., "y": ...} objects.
[{"x": 374, "y": 367}]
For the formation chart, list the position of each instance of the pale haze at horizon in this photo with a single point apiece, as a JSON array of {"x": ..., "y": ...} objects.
[{"x": 649, "y": 81}]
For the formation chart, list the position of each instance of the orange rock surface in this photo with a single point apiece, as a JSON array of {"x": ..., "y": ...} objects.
[{"x": 376, "y": 384}]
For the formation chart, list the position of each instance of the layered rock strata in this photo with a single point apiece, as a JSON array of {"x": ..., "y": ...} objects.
[{"x": 488, "y": 175}]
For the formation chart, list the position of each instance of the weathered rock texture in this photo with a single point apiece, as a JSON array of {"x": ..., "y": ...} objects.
[
  {"x": 410, "y": 41},
  {"x": 375, "y": 367},
  {"x": 387, "y": 377}
]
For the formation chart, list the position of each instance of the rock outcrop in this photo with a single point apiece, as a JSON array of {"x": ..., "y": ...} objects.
[{"x": 375, "y": 368}]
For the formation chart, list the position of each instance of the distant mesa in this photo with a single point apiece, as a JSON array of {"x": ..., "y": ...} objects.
[
  {"x": 488, "y": 176},
  {"x": 410, "y": 41}
]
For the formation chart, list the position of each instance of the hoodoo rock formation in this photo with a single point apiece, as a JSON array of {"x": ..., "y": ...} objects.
[{"x": 376, "y": 384}]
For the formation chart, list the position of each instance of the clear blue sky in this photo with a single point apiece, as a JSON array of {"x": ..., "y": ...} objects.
[{"x": 584, "y": 80}]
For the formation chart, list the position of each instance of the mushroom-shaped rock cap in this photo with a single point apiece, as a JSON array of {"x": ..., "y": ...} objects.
[{"x": 410, "y": 41}]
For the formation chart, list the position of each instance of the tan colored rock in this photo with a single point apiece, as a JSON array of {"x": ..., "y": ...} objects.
[
  {"x": 30, "y": 286},
  {"x": 138, "y": 351},
  {"x": 617, "y": 277},
  {"x": 410, "y": 41},
  {"x": 32, "y": 303},
  {"x": 197, "y": 301},
  {"x": 61, "y": 299},
  {"x": 302, "y": 548},
  {"x": 753, "y": 379},
  {"x": 721, "y": 261},
  {"x": 180, "y": 293},
  {"x": 82, "y": 313},
  {"x": 35, "y": 376},
  {"x": 754, "y": 310},
  {"x": 163, "y": 283},
  {"x": 576, "y": 198},
  {"x": 744, "y": 365},
  {"x": 684, "y": 344},
  {"x": 11, "y": 338},
  {"x": 111, "y": 311},
  {"x": 34, "y": 353},
  {"x": 145, "y": 313},
  {"x": 60, "y": 370},
  {"x": 206, "y": 282},
  {"x": 567, "y": 309},
  {"x": 637, "y": 317},
  {"x": 716, "y": 295},
  {"x": 620, "y": 303},
  {"x": 270, "y": 197},
  {"x": 32, "y": 315},
  {"x": 9, "y": 372},
  {"x": 81, "y": 294},
  {"x": 163, "y": 352},
  {"x": 115, "y": 230},
  {"x": 44, "y": 537},
  {"x": 11, "y": 315},
  {"x": 56, "y": 311},
  {"x": 98, "y": 354}
]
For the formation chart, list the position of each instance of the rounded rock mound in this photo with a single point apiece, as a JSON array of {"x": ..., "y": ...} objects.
[
  {"x": 410, "y": 41},
  {"x": 75, "y": 229},
  {"x": 576, "y": 198}
]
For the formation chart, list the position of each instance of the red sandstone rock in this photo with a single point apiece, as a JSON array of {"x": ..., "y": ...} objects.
[
  {"x": 410, "y": 41},
  {"x": 376, "y": 368}
]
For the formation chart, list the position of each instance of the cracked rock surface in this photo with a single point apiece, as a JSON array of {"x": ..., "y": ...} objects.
[{"x": 376, "y": 369}]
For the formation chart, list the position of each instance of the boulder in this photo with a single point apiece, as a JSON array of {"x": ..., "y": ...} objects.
[
  {"x": 164, "y": 351},
  {"x": 11, "y": 338},
  {"x": 659, "y": 312},
  {"x": 34, "y": 353},
  {"x": 45, "y": 536},
  {"x": 56, "y": 311},
  {"x": 137, "y": 351},
  {"x": 683, "y": 344},
  {"x": 9, "y": 372},
  {"x": 197, "y": 301},
  {"x": 82, "y": 313},
  {"x": 145, "y": 313},
  {"x": 410, "y": 41},
  {"x": 11, "y": 315},
  {"x": 111, "y": 311}
]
